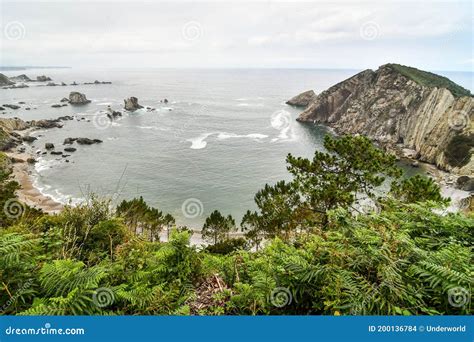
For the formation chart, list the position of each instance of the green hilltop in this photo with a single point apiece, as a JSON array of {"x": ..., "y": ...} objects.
[{"x": 430, "y": 79}]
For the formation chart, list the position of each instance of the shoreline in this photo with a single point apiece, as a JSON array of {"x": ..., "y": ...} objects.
[{"x": 28, "y": 193}]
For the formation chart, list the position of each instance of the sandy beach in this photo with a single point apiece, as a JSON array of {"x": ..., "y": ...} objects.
[{"x": 28, "y": 193}]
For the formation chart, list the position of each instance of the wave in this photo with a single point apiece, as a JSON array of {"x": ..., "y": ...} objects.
[
  {"x": 56, "y": 195},
  {"x": 257, "y": 136},
  {"x": 245, "y": 104},
  {"x": 199, "y": 142},
  {"x": 45, "y": 164},
  {"x": 154, "y": 128},
  {"x": 104, "y": 104}
]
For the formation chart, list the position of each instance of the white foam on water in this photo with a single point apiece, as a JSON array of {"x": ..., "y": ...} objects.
[
  {"x": 154, "y": 128},
  {"x": 281, "y": 120},
  {"x": 45, "y": 164},
  {"x": 255, "y": 136},
  {"x": 199, "y": 142},
  {"x": 104, "y": 104},
  {"x": 56, "y": 195},
  {"x": 246, "y": 104}
]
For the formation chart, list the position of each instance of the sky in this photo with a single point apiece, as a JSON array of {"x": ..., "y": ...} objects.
[{"x": 247, "y": 34}]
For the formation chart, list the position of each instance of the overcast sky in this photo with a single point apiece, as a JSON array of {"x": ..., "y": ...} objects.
[{"x": 313, "y": 34}]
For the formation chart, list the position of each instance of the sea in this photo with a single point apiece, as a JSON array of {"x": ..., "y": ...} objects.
[{"x": 220, "y": 137}]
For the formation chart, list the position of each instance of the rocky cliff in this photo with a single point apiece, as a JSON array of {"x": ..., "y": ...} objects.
[{"x": 403, "y": 108}]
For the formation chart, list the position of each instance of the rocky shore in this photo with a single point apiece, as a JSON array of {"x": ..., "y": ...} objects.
[{"x": 14, "y": 132}]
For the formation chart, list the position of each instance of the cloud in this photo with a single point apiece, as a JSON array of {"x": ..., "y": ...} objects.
[{"x": 278, "y": 34}]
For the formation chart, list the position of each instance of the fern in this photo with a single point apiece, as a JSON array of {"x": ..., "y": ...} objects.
[{"x": 63, "y": 276}]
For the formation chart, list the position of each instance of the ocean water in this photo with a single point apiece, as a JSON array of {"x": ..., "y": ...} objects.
[{"x": 221, "y": 137}]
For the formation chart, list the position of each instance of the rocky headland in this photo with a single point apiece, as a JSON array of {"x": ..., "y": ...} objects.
[{"x": 410, "y": 112}]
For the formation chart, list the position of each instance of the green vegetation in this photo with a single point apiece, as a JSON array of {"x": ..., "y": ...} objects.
[
  {"x": 316, "y": 250},
  {"x": 216, "y": 228},
  {"x": 429, "y": 79}
]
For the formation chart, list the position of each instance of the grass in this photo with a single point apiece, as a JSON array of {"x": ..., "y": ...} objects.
[{"x": 429, "y": 79}]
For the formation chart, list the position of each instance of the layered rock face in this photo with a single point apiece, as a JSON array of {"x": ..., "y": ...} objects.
[{"x": 396, "y": 111}]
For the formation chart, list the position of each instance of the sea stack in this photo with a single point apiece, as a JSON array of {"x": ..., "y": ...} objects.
[
  {"x": 131, "y": 104},
  {"x": 76, "y": 98}
]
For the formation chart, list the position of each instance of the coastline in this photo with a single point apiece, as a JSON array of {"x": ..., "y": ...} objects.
[{"x": 28, "y": 193}]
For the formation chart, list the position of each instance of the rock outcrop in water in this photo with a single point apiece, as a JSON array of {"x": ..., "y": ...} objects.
[
  {"x": 20, "y": 78},
  {"x": 131, "y": 104},
  {"x": 5, "y": 81},
  {"x": 76, "y": 98},
  {"x": 43, "y": 78},
  {"x": 303, "y": 99},
  {"x": 403, "y": 108}
]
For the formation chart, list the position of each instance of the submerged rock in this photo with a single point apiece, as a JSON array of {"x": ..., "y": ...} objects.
[
  {"x": 87, "y": 141},
  {"x": 112, "y": 114},
  {"x": 76, "y": 98},
  {"x": 11, "y": 106},
  {"x": 28, "y": 138},
  {"x": 69, "y": 141},
  {"x": 70, "y": 149},
  {"x": 131, "y": 104}
]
